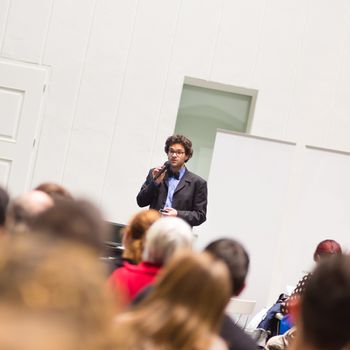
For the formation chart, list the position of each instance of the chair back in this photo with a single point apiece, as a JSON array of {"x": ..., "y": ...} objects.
[{"x": 240, "y": 310}]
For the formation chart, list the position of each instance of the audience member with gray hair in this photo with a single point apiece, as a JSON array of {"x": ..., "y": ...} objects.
[
  {"x": 236, "y": 258},
  {"x": 165, "y": 238}
]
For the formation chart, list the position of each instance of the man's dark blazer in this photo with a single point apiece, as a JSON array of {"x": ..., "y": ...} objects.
[{"x": 190, "y": 197}]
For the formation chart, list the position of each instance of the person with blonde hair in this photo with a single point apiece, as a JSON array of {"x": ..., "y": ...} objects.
[
  {"x": 134, "y": 234},
  {"x": 184, "y": 310}
]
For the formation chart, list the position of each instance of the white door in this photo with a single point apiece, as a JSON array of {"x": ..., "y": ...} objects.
[{"x": 21, "y": 97}]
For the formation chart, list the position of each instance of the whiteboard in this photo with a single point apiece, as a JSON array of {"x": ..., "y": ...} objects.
[{"x": 248, "y": 190}]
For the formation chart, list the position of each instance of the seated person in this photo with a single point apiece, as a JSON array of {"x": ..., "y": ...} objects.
[
  {"x": 164, "y": 238},
  {"x": 184, "y": 310},
  {"x": 322, "y": 315},
  {"x": 323, "y": 250},
  {"x": 233, "y": 254}
]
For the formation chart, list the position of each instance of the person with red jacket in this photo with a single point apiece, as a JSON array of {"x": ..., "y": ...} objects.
[{"x": 163, "y": 239}]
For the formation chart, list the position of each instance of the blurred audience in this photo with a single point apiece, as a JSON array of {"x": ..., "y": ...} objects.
[
  {"x": 233, "y": 254},
  {"x": 164, "y": 238},
  {"x": 53, "y": 293},
  {"x": 22, "y": 211},
  {"x": 323, "y": 320},
  {"x": 183, "y": 312}
]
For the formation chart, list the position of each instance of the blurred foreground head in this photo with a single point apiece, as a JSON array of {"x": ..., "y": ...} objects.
[
  {"x": 56, "y": 291},
  {"x": 325, "y": 318},
  {"x": 22, "y": 211},
  {"x": 77, "y": 221},
  {"x": 185, "y": 308}
]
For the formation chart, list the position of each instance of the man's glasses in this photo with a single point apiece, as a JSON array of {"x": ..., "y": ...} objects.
[{"x": 176, "y": 152}]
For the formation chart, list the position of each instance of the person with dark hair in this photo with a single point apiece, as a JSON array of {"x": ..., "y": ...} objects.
[
  {"x": 323, "y": 321},
  {"x": 173, "y": 189},
  {"x": 4, "y": 201},
  {"x": 235, "y": 257}
]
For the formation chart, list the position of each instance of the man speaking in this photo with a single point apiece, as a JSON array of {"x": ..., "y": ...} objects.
[{"x": 172, "y": 189}]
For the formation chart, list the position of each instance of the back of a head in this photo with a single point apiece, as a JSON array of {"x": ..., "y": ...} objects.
[
  {"x": 54, "y": 190},
  {"x": 325, "y": 316},
  {"x": 196, "y": 281},
  {"x": 4, "y": 201},
  {"x": 58, "y": 282},
  {"x": 233, "y": 254},
  {"x": 327, "y": 248},
  {"x": 166, "y": 237},
  {"x": 22, "y": 211},
  {"x": 77, "y": 221},
  {"x": 134, "y": 233}
]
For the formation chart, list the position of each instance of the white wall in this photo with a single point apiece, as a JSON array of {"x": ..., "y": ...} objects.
[
  {"x": 118, "y": 66},
  {"x": 117, "y": 69}
]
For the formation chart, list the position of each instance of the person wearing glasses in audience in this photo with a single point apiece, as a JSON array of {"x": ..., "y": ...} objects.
[{"x": 172, "y": 188}]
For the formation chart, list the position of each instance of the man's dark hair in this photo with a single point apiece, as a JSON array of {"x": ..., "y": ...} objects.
[
  {"x": 182, "y": 140},
  {"x": 4, "y": 201},
  {"x": 325, "y": 305},
  {"x": 233, "y": 254}
]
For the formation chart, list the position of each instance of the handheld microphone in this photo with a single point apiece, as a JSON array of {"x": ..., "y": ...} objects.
[{"x": 162, "y": 169}]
